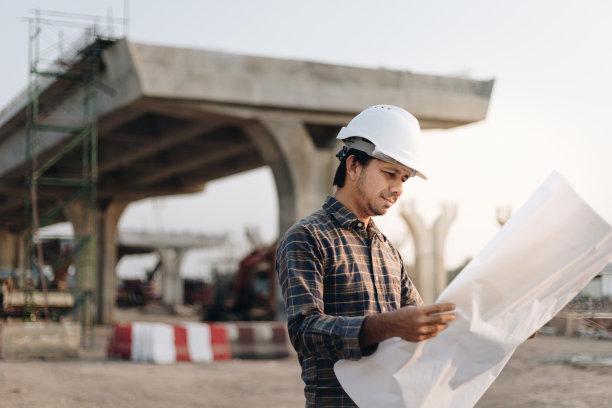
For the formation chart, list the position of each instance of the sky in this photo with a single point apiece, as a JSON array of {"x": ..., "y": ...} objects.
[{"x": 550, "y": 108}]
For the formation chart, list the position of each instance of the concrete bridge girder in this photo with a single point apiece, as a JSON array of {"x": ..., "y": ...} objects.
[{"x": 167, "y": 102}]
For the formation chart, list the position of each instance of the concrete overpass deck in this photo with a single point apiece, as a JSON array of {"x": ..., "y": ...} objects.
[{"x": 171, "y": 119}]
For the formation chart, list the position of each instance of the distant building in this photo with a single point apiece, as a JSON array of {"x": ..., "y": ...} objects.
[{"x": 601, "y": 285}]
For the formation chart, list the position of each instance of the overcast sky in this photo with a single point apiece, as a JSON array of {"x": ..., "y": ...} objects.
[{"x": 550, "y": 109}]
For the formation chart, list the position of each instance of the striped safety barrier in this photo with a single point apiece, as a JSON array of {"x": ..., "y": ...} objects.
[{"x": 164, "y": 343}]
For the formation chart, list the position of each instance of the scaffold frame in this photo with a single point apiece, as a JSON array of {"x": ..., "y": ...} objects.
[{"x": 79, "y": 63}]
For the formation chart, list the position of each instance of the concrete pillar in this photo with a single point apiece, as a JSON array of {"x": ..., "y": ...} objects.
[
  {"x": 172, "y": 293},
  {"x": 108, "y": 222},
  {"x": 99, "y": 278},
  {"x": 9, "y": 250},
  {"x": 440, "y": 231},
  {"x": 431, "y": 277},
  {"x": 423, "y": 254},
  {"x": 303, "y": 172},
  {"x": 80, "y": 216}
]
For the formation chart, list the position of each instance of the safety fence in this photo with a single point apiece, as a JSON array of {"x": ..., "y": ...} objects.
[{"x": 164, "y": 343}]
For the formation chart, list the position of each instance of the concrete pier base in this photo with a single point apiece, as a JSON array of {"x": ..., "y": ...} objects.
[{"x": 53, "y": 341}]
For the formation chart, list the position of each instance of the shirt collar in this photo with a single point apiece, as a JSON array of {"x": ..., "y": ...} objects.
[{"x": 347, "y": 219}]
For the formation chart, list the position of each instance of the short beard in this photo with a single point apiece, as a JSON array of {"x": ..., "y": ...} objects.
[{"x": 364, "y": 199}]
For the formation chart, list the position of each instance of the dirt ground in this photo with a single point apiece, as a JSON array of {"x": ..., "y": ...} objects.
[{"x": 539, "y": 375}]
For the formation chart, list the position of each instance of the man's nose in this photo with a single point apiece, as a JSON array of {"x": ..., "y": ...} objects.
[{"x": 396, "y": 188}]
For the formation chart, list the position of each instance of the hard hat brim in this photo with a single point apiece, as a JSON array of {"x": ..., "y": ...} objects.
[{"x": 359, "y": 143}]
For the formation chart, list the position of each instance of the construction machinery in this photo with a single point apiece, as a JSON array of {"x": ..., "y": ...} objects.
[
  {"x": 26, "y": 297},
  {"x": 249, "y": 294},
  {"x": 18, "y": 303}
]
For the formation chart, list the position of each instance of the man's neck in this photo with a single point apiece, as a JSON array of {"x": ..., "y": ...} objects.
[{"x": 350, "y": 203}]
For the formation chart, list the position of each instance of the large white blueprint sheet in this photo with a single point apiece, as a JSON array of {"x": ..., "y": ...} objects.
[{"x": 540, "y": 259}]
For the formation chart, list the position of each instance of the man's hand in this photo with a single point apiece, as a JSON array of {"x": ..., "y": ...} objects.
[
  {"x": 412, "y": 323},
  {"x": 422, "y": 322}
]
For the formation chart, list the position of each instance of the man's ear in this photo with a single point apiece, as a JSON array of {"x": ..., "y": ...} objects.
[{"x": 353, "y": 168}]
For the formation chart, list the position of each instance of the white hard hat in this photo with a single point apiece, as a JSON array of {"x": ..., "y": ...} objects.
[{"x": 393, "y": 135}]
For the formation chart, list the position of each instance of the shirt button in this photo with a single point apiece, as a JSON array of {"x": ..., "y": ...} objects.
[
  {"x": 383, "y": 309},
  {"x": 360, "y": 224},
  {"x": 376, "y": 279}
]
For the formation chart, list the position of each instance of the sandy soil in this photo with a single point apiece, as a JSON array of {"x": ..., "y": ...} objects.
[{"x": 538, "y": 375}]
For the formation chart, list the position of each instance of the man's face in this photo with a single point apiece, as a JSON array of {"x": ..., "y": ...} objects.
[{"x": 379, "y": 186}]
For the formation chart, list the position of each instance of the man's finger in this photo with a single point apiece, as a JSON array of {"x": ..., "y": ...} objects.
[
  {"x": 438, "y": 308},
  {"x": 439, "y": 318},
  {"x": 432, "y": 329},
  {"x": 427, "y": 329}
]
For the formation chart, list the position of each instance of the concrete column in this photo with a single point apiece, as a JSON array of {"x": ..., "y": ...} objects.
[
  {"x": 302, "y": 171},
  {"x": 423, "y": 254},
  {"x": 172, "y": 293},
  {"x": 429, "y": 250},
  {"x": 440, "y": 231},
  {"x": 108, "y": 222},
  {"x": 79, "y": 215},
  {"x": 9, "y": 250},
  {"x": 99, "y": 278}
]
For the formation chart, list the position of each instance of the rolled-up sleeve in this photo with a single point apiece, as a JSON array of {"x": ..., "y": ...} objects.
[{"x": 300, "y": 268}]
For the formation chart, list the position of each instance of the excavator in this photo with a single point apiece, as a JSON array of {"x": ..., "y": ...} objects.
[{"x": 249, "y": 294}]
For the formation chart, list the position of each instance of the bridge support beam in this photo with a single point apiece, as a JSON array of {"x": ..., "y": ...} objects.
[
  {"x": 303, "y": 171},
  {"x": 77, "y": 212},
  {"x": 104, "y": 285},
  {"x": 106, "y": 295}
]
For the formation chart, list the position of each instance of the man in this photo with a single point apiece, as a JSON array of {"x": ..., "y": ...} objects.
[{"x": 344, "y": 284}]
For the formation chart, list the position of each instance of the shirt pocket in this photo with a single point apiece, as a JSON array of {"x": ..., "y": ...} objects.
[{"x": 347, "y": 289}]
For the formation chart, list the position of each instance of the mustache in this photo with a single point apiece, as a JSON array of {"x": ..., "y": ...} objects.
[{"x": 392, "y": 198}]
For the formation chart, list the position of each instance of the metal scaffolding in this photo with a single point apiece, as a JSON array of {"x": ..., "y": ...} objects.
[{"x": 64, "y": 62}]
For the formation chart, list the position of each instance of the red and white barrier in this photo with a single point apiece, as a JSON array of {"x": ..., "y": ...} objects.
[{"x": 164, "y": 343}]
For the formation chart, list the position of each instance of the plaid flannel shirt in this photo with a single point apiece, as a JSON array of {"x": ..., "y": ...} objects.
[{"x": 334, "y": 272}]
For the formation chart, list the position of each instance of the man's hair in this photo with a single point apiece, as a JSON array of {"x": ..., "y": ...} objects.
[{"x": 361, "y": 157}]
